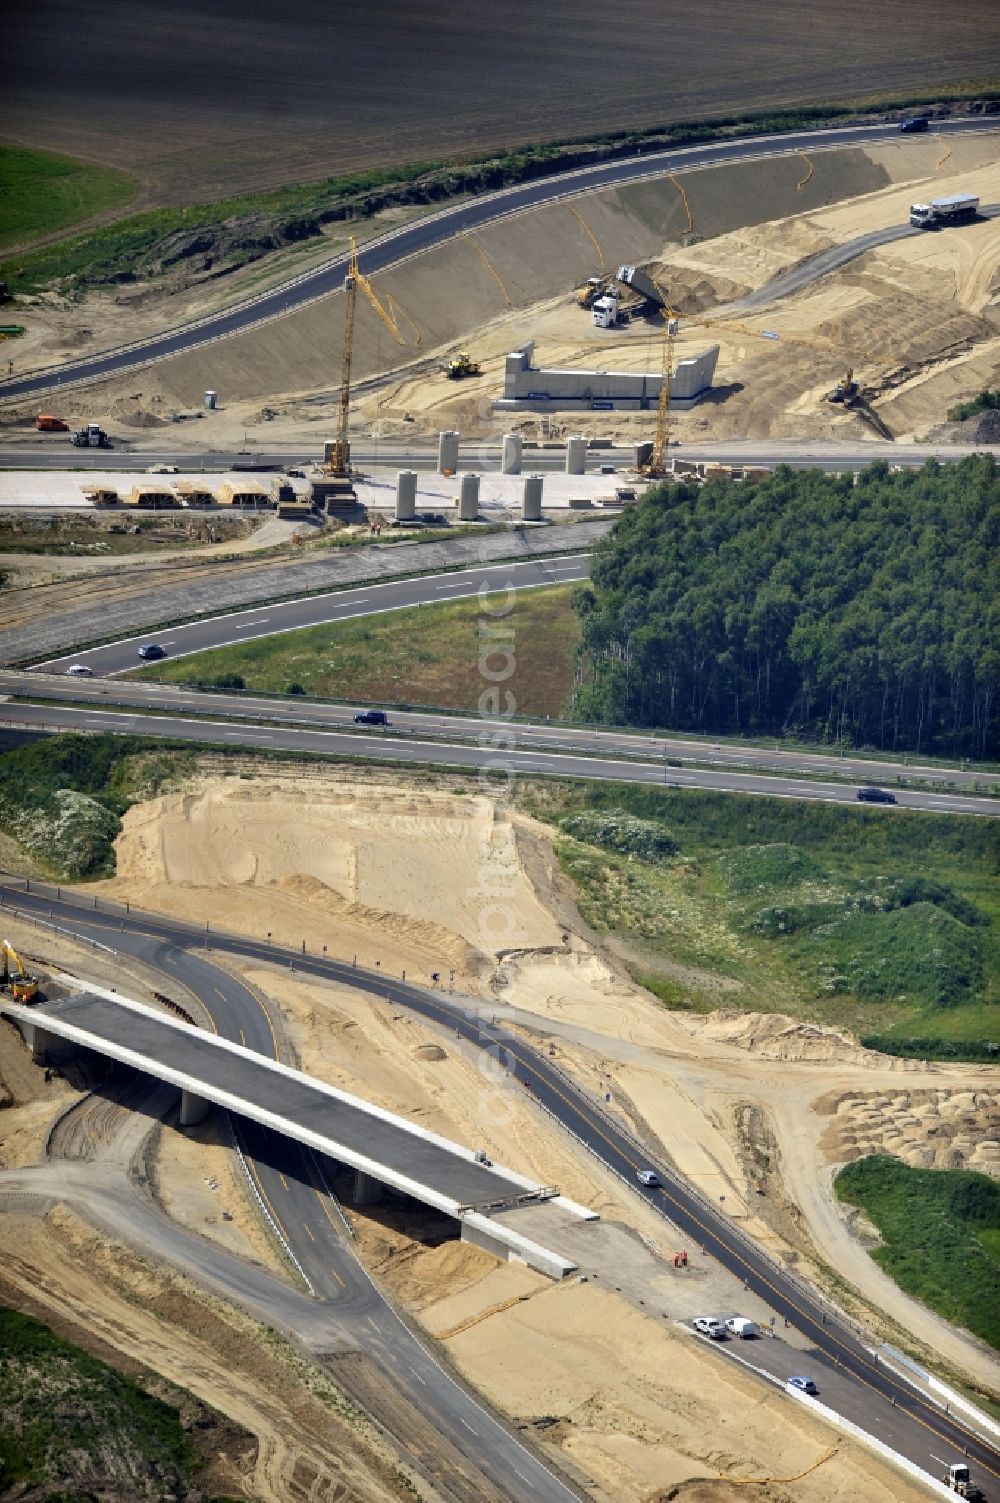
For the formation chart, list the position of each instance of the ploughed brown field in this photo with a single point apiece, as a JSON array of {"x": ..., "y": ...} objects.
[{"x": 205, "y": 101}]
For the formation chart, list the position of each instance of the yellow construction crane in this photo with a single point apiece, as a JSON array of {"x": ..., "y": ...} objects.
[
  {"x": 340, "y": 459},
  {"x": 656, "y": 465},
  {"x": 22, "y": 986}
]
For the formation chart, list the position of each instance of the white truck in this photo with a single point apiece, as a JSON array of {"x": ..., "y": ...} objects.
[{"x": 957, "y": 208}]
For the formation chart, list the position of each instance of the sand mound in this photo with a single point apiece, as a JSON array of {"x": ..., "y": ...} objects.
[
  {"x": 429, "y": 1051},
  {"x": 350, "y": 866},
  {"x": 927, "y": 1129},
  {"x": 776, "y": 1036}
]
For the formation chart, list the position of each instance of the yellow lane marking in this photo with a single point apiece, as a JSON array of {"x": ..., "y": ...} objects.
[{"x": 308, "y": 1232}]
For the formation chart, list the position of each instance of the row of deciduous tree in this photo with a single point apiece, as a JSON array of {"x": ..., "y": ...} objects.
[{"x": 865, "y": 609}]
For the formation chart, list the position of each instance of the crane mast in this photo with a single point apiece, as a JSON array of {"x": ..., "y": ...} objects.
[{"x": 340, "y": 460}]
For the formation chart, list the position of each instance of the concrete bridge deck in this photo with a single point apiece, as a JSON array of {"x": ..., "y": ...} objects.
[{"x": 383, "y": 1149}]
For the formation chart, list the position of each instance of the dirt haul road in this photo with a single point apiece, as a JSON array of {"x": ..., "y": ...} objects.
[{"x": 367, "y": 863}]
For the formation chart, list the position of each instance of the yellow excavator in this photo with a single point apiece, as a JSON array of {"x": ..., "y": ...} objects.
[{"x": 22, "y": 986}]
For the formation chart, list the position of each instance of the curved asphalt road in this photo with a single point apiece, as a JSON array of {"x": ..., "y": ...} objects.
[
  {"x": 826, "y": 261},
  {"x": 480, "y": 1461},
  {"x": 412, "y": 239},
  {"x": 888, "y": 1406}
]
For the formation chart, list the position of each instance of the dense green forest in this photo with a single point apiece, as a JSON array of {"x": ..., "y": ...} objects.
[{"x": 863, "y": 610}]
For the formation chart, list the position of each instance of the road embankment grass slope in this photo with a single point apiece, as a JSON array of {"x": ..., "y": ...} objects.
[
  {"x": 429, "y": 655},
  {"x": 940, "y": 1233}
]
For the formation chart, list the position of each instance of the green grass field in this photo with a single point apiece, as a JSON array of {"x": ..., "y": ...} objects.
[
  {"x": 823, "y": 912},
  {"x": 42, "y": 193},
  {"x": 941, "y": 1236},
  {"x": 429, "y": 655}
]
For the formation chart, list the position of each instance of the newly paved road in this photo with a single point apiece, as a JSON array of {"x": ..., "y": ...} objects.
[
  {"x": 478, "y": 1459},
  {"x": 469, "y": 215},
  {"x": 820, "y": 265},
  {"x": 439, "y": 1169},
  {"x": 872, "y": 1396},
  {"x": 799, "y": 454},
  {"x": 495, "y": 767}
]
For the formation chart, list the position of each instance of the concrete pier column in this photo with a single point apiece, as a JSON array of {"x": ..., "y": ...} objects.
[
  {"x": 194, "y": 1109},
  {"x": 43, "y": 1044},
  {"x": 510, "y": 454},
  {"x": 468, "y": 499},
  {"x": 448, "y": 452},
  {"x": 531, "y": 499},
  {"x": 406, "y": 495},
  {"x": 367, "y": 1191},
  {"x": 576, "y": 456}
]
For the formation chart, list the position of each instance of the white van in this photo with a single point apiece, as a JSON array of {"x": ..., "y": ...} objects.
[{"x": 738, "y": 1325}]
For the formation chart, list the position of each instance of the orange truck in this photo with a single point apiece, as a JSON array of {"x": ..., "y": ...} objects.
[{"x": 46, "y": 423}]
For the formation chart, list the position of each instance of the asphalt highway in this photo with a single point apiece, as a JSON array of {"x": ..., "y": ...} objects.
[
  {"x": 480, "y": 1460},
  {"x": 273, "y": 618},
  {"x": 800, "y": 454},
  {"x": 664, "y": 750},
  {"x": 460, "y": 218},
  {"x": 882, "y": 1403},
  {"x": 495, "y": 767}
]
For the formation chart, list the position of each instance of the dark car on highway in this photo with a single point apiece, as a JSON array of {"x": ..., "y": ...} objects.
[
  {"x": 913, "y": 123},
  {"x": 876, "y": 796},
  {"x": 371, "y": 717},
  {"x": 151, "y": 650}
]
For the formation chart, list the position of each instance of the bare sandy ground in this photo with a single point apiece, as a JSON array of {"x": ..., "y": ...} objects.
[
  {"x": 918, "y": 321},
  {"x": 95, "y": 1289},
  {"x": 359, "y": 868}
]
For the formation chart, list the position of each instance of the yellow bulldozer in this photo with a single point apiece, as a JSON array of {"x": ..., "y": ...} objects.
[
  {"x": 461, "y": 366},
  {"x": 15, "y": 978}
]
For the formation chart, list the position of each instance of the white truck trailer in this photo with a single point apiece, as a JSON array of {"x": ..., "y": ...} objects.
[{"x": 958, "y": 208}]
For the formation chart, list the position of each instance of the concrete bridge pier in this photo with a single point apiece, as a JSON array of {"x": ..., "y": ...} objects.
[
  {"x": 45, "y": 1047},
  {"x": 367, "y": 1191},
  {"x": 194, "y": 1109}
]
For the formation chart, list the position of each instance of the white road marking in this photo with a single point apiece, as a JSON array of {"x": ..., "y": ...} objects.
[
  {"x": 419, "y": 1379},
  {"x": 469, "y": 1427}
]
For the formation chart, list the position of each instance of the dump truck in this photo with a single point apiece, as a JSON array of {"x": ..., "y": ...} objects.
[
  {"x": 46, "y": 423},
  {"x": 957, "y": 208},
  {"x": 15, "y": 976},
  {"x": 91, "y": 437}
]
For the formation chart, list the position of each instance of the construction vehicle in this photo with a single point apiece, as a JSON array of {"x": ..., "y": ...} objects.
[
  {"x": 958, "y": 1481},
  {"x": 957, "y": 208},
  {"x": 46, "y": 423},
  {"x": 463, "y": 365},
  {"x": 592, "y": 289},
  {"x": 91, "y": 437},
  {"x": 15, "y": 977},
  {"x": 845, "y": 391}
]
